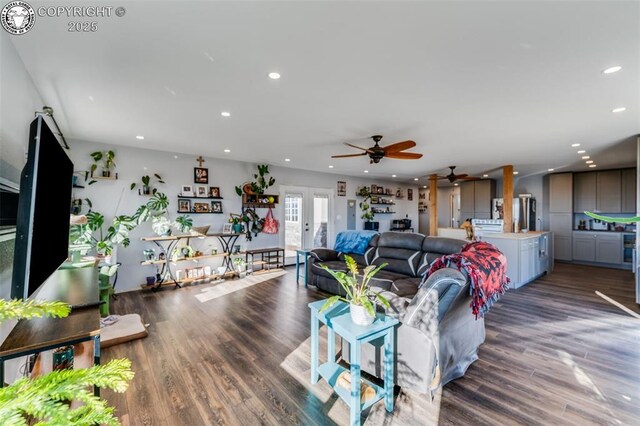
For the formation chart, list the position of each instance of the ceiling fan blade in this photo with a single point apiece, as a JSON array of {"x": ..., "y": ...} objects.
[
  {"x": 348, "y": 155},
  {"x": 399, "y": 146},
  {"x": 461, "y": 176},
  {"x": 356, "y": 146},
  {"x": 471, "y": 178},
  {"x": 404, "y": 155}
]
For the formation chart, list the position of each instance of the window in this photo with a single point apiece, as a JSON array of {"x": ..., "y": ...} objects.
[{"x": 292, "y": 209}]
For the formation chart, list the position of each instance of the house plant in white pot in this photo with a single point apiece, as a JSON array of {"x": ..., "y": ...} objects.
[{"x": 359, "y": 296}]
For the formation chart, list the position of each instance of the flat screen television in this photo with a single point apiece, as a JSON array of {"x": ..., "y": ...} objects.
[{"x": 42, "y": 223}]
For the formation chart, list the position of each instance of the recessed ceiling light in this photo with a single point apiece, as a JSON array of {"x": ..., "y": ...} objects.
[
  {"x": 139, "y": 137},
  {"x": 582, "y": 151},
  {"x": 331, "y": 166},
  {"x": 366, "y": 171},
  {"x": 485, "y": 176},
  {"x": 455, "y": 184},
  {"x": 592, "y": 165},
  {"x": 515, "y": 173},
  {"x": 274, "y": 75},
  {"x": 585, "y": 157},
  {"x": 620, "y": 109},
  {"x": 175, "y": 156},
  {"x": 287, "y": 159},
  {"x": 91, "y": 98},
  {"x": 227, "y": 150},
  {"x": 549, "y": 170},
  {"x": 415, "y": 178},
  {"x": 589, "y": 161},
  {"x": 145, "y": 168},
  {"x": 225, "y": 114},
  {"x": 575, "y": 145},
  {"x": 424, "y": 186},
  {"x": 393, "y": 175},
  {"x": 611, "y": 70}
]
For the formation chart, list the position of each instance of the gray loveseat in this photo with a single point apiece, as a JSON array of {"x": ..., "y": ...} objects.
[{"x": 439, "y": 336}]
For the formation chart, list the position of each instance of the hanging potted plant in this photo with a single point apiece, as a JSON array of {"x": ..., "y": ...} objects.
[
  {"x": 359, "y": 296},
  {"x": 261, "y": 183}
]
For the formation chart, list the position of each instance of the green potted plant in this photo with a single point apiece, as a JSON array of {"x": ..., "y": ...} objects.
[
  {"x": 360, "y": 297},
  {"x": 367, "y": 210},
  {"x": 262, "y": 182},
  {"x": 145, "y": 188},
  {"x": 108, "y": 162},
  {"x": 240, "y": 266},
  {"x": 44, "y": 398}
]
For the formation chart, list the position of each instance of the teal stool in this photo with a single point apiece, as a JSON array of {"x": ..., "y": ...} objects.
[
  {"x": 305, "y": 255},
  {"x": 338, "y": 320}
]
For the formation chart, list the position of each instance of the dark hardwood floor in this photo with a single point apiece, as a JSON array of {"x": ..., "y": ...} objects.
[{"x": 556, "y": 353}]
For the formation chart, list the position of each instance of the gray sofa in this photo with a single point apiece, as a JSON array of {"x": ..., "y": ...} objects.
[{"x": 439, "y": 336}]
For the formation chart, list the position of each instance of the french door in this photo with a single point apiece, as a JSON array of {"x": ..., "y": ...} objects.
[{"x": 307, "y": 218}]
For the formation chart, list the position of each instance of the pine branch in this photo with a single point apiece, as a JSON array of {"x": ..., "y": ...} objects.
[
  {"x": 19, "y": 309},
  {"x": 45, "y": 396}
]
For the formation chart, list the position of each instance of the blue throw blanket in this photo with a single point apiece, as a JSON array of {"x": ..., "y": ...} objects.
[{"x": 353, "y": 241}]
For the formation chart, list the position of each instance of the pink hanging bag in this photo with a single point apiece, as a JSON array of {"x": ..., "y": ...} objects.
[{"x": 270, "y": 223}]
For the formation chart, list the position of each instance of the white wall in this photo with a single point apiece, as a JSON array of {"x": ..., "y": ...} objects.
[{"x": 114, "y": 197}]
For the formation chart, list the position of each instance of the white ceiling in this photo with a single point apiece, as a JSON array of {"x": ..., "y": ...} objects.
[{"x": 476, "y": 84}]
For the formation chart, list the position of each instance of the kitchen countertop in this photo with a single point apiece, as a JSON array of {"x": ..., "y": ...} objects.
[
  {"x": 512, "y": 235},
  {"x": 604, "y": 230}
]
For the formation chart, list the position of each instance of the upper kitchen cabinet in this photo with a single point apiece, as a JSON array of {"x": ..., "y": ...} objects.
[
  {"x": 476, "y": 196},
  {"x": 628, "y": 177},
  {"x": 560, "y": 193},
  {"x": 584, "y": 192},
  {"x": 608, "y": 195}
]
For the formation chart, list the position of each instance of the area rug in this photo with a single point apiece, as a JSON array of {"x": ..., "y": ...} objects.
[
  {"x": 231, "y": 286},
  {"x": 124, "y": 329}
]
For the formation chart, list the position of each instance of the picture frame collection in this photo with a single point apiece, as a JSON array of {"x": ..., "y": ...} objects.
[{"x": 189, "y": 193}]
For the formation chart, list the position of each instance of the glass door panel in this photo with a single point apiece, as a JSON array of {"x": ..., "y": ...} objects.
[
  {"x": 293, "y": 223},
  {"x": 320, "y": 220}
]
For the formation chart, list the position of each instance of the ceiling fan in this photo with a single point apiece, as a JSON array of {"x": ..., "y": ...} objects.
[
  {"x": 452, "y": 177},
  {"x": 377, "y": 152}
]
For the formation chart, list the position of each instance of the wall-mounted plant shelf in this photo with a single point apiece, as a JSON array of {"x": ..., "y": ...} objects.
[
  {"x": 257, "y": 201},
  {"x": 200, "y": 212},
  {"x": 200, "y": 198},
  {"x": 100, "y": 177}
]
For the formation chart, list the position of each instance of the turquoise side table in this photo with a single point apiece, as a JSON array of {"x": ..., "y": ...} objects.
[
  {"x": 305, "y": 255},
  {"x": 338, "y": 320}
]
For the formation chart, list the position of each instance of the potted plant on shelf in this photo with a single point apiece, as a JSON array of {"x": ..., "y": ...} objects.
[
  {"x": 108, "y": 162},
  {"x": 359, "y": 296},
  {"x": 367, "y": 210},
  {"x": 262, "y": 182},
  {"x": 241, "y": 266},
  {"x": 145, "y": 188}
]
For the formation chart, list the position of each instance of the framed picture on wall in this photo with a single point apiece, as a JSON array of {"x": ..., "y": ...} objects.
[
  {"x": 342, "y": 188},
  {"x": 380, "y": 190},
  {"x": 200, "y": 175},
  {"x": 184, "y": 206},
  {"x": 186, "y": 191},
  {"x": 202, "y": 191},
  {"x": 216, "y": 207},
  {"x": 374, "y": 189},
  {"x": 227, "y": 228},
  {"x": 201, "y": 207},
  {"x": 410, "y": 194},
  {"x": 214, "y": 191}
]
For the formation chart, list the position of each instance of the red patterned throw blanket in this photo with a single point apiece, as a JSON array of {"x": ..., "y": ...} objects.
[{"x": 487, "y": 270}]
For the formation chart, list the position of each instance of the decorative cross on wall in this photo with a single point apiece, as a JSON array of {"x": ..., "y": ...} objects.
[{"x": 200, "y": 160}]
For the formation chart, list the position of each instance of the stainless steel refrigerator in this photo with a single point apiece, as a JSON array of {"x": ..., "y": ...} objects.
[{"x": 524, "y": 212}]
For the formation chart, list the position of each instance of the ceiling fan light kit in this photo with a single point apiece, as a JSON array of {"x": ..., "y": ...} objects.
[
  {"x": 377, "y": 152},
  {"x": 452, "y": 177}
]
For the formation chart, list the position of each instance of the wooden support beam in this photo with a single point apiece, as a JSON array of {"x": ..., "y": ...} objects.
[
  {"x": 507, "y": 196},
  {"x": 433, "y": 205}
]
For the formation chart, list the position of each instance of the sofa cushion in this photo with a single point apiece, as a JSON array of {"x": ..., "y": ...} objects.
[
  {"x": 401, "y": 240},
  {"x": 406, "y": 287},
  {"x": 384, "y": 279},
  {"x": 360, "y": 259},
  {"x": 436, "y": 247},
  {"x": 402, "y": 261}
]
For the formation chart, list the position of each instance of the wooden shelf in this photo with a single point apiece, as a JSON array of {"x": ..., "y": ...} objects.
[
  {"x": 191, "y": 197},
  {"x": 104, "y": 177},
  {"x": 180, "y": 259},
  {"x": 252, "y": 200},
  {"x": 200, "y": 212},
  {"x": 384, "y": 212},
  {"x": 383, "y": 204},
  {"x": 189, "y": 281},
  {"x": 182, "y": 236}
]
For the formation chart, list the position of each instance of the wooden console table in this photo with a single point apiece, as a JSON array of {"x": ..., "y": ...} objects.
[{"x": 73, "y": 286}]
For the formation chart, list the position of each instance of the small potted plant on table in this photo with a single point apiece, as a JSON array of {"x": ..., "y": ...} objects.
[{"x": 359, "y": 296}]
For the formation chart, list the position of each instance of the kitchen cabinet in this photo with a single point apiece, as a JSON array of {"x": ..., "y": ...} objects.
[
  {"x": 598, "y": 247},
  {"x": 561, "y": 193},
  {"x": 628, "y": 190},
  {"x": 608, "y": 191},
  {"x": 561, "y": 225},
  {"x": 584, "y": 191},
  {"x": 527, "y": 255},
  {"x": 476, "y": 197}
]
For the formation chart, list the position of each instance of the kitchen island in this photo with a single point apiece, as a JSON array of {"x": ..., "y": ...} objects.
[{"x": 528, "y": 253}]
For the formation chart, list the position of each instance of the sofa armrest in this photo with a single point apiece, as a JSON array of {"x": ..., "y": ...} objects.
[
  {"x": 323, "y": 254},
  {"x": 434, "y": 298},
  {"x": 398, "y": 303}
]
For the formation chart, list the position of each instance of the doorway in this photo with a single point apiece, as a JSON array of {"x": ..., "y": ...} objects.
[{"x": 308, "y": 219}]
